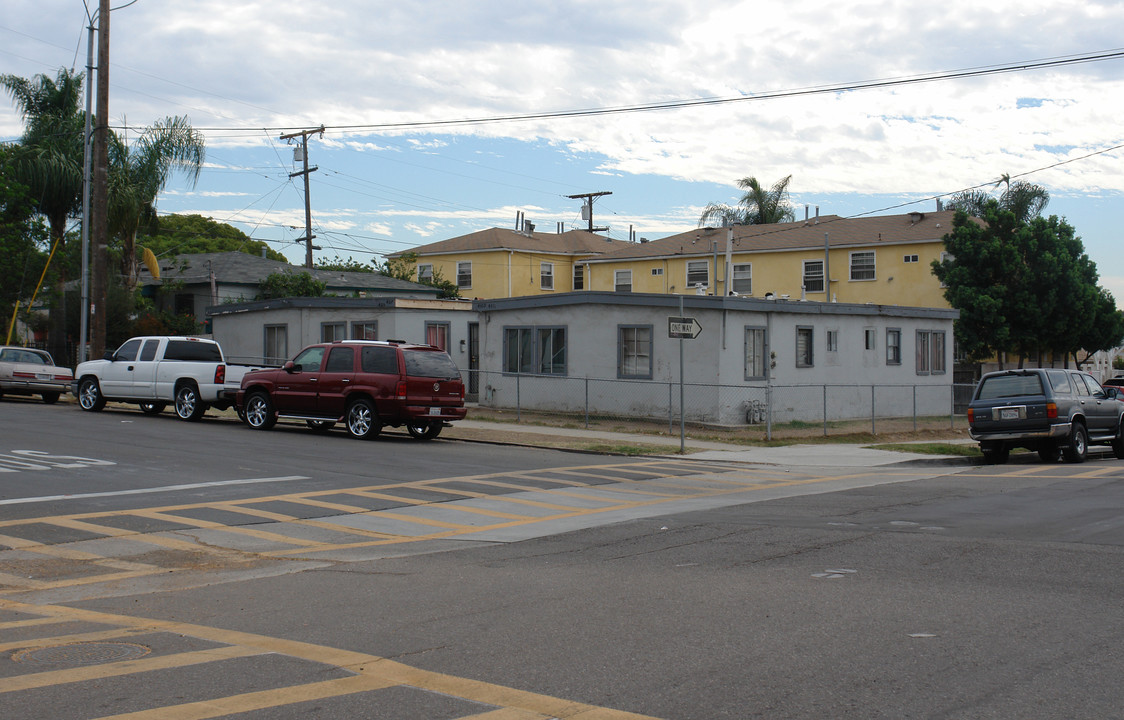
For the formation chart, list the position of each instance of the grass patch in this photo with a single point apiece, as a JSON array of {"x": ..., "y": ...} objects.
[{"x": 630, "y": 449}]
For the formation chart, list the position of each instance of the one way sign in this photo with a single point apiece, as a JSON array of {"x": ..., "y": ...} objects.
[{"x": 683, "y": 327}]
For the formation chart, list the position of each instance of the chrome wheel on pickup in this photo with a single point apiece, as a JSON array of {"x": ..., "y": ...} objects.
[
  {"x": 89, "y": 395},
  {"x": 258, "y": 411},
  {"x": 152, "y": 408},
  {"x": 189, "y": 406}
]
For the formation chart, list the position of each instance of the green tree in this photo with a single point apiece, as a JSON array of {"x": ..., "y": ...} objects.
[
  {"x": 285, "y": 284},
  {"x": 404, "y": 267},
  {"x": 48, "y": 160},
  {"x": 1025, "y": 200},
  {"x": 22, "y": 234},
  {"x": 758, "y": 206},
  {"x": 193, "y": 234},
  {"x": 139, "y": 173},
  {"x": 338, "y": 264}
]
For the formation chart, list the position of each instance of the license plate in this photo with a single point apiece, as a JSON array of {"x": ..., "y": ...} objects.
[
  {"x": 42, "y": 376},
  {"x": 1009, "y": 414},
  {"x": 435, "y": 411}
]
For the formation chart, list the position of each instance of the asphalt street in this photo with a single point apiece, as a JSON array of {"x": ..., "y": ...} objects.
[{"x": 393, "y": 579}]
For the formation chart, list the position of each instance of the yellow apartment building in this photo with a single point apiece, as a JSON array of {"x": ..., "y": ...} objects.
[{"x": 502, "y": 263}]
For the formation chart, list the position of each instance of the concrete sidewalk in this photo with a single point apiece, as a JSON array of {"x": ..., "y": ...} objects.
[{"x": 804, "y": 455}]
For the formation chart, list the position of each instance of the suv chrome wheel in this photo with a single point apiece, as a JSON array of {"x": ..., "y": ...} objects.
[
  {"x": 362, "y": 421},
  {"x": 258, "y": 412},
  {"x": 424, "y": 430}
]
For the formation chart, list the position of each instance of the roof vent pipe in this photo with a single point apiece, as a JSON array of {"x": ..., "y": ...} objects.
[{"x": 817, "y": 214}]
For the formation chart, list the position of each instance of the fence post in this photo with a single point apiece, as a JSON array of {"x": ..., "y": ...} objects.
[
  {"x": 825, "y": 410},
  {"x": 670, "y": 410},
  {"x": 914, "y": 408},
  {"x": 586, "y": 402},
  {"x": 873, "y": 431},
  {"x": 769, "y": 412},
  {"x": 952, "y": 406},
  {"x": 518, "y": 400}
]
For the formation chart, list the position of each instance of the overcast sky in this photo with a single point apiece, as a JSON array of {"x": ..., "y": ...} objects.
[{"x": 245, "y": 73}]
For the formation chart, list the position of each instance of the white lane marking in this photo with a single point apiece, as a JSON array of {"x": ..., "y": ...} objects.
[{"x": 141, "y": 491}]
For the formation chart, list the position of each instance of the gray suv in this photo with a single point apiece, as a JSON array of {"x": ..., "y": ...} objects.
[{"x": 1056, "y": 412}]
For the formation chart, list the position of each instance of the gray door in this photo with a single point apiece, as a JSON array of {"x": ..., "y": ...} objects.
[{"x": 472, "y": 392}]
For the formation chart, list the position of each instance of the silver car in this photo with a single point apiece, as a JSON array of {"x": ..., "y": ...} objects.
[{"x": 27, "y": 371}]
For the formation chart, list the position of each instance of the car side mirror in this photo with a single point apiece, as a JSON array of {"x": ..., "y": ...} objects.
[
  {"x": 1112, "y": 392},
  {"x": 289, "y": 367},
  {"x": 108, "y": 356}
]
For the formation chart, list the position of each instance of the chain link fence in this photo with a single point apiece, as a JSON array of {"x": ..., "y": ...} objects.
[{"x": 753, "y": 410}]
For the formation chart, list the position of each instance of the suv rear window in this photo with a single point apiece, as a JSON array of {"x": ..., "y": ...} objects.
[
  {"x": 430, "y": 364},
  {"x": 192, "y": 351},
  {"x": 1002, "y": 386},
  {"x": 382, "y": 360}
]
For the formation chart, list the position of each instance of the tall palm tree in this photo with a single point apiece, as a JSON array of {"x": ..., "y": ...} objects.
[
  {"x": 139, "y": 172},
  {"x": 759, "y": 206},
  {"x": 48, "y": 160},
  {"x": 1026, "y": 200}
]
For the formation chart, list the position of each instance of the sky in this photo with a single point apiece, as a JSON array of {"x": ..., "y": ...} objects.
[{"x": 443, "y": 118}]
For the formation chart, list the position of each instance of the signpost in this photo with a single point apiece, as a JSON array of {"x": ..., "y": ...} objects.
[{"x": 683, "y": 328}]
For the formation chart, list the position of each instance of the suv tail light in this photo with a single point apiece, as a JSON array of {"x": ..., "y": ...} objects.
[
  {"x": 400, "y": 391},
  {"x": 220, "y": 374},
  {"x": 1051, "y": 410},
  {"x": 971, "y": 416}
]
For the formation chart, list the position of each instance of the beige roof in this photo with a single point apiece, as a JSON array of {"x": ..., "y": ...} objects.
[
  {"x": 841, "y": 232},
  {"x": 573, "y": 242}
]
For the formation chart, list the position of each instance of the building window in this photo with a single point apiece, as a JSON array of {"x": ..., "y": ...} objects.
[
  {"x": 909, "y": 258},
  {"x": 893, "y": 346},
  {"x": 333, "y": 331},
  {"x": 276, "y": 349},
  {"x": 862, "y": 265},
  {"x": 931, "y": 352},
  {"x": 804, "y": 354},
  {"x": 813, "y": 276},
  {"x": 698, "y": 273},
  {"x": 539, "y": 350},
  {"x": 622, "y": 281},
  {"x": 437, "y": 334},
  {"x": 832, "y": 341},
  {"x": 546, "y": 276},
  {"x": 656, "y": 272},
  {"x": 464, "y": 274},
  {"x": 425, "y": 273},
  {"x": 579, "y": 276},
  {"x": 868, "y": 338},
  {"x": 742, "y": 280},
  {"x": 755, "y": 354},
  {"x": 634, "y": 351},
  {"x": 365, "y": 330}
]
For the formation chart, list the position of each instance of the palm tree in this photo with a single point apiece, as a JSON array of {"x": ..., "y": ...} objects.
[
  {"x": 48, "y": 160},
  {"x": 757, "y": 207},
  {"x": 1025, "y": 200},
  {"x": 138, "y": 173}
]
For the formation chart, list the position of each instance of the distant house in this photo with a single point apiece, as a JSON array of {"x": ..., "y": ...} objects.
[
  {"x": 192, "y": 283},
  {"x": 497, "y": 262}
]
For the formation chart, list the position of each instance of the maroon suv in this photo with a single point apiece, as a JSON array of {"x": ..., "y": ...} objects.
[{"x": 365, "y": 384}]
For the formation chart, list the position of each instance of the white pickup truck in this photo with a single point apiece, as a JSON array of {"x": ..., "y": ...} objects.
[{"x": 191, "y": 373}]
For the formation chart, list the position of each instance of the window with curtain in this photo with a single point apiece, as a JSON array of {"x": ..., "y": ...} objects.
[
  {"x": 437, "y": 334},
  {"x": 742, "y": 279},
  {"x": 862, "y": 265},
  {"x": 634, "y": 351},
  {"x": 622, "y": 281},
  {"x": 813, "y": 276}
]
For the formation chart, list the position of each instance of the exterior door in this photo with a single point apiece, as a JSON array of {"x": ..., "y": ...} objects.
[
  {"x": 297, "y": 390},
  {"x": 117, "y": 376},
  {"x": 472, "y": 392},
  {"x": 143, "y": 380},
  {"x": 334, "y": 381}
]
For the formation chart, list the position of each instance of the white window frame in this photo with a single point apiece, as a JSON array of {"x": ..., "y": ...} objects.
[
  {"x": 861, "y": 269},
  {"x": 464, "y": 274},
  {"x": 693, "y": 270},
  {"x": 634, "y": 352},
  {"x": 579, "y": 276},
  {"x": 741, "y": 278},
  {"x": 807, "y": 276},
  {"x": 546, "y": 275},
  {"x": 756, "y": 353},
  {"x": 622, "y": 281},
  {"x": 425, "y": 273}
]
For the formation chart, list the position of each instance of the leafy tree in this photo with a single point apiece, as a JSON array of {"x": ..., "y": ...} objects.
[
  {"x": 284, "y": 284},
  {"x": 48, "y": 160},
  {"x": 193, "y": 234},
  {"x": 139, "y": 172},
  {"x": 759, "y": 206},
  {"x": 404, "y": 267},
  {"x": 350, "y": 265},
  {"x": 22, "y": 235},
  {"x": 1024, "y": 287}
]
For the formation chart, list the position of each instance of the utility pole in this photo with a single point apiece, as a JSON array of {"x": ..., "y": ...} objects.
[
  {"x": 100, "y": 201},
  {"x": 307, "y": 239},
  {"x": 587, "y": 208}
]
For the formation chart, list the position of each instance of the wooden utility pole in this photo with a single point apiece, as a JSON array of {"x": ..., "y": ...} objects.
[
  {"x": 307, "y": 239},
  {"x": 588, "y": 208},
  {"x": 99, "y": 212}
]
